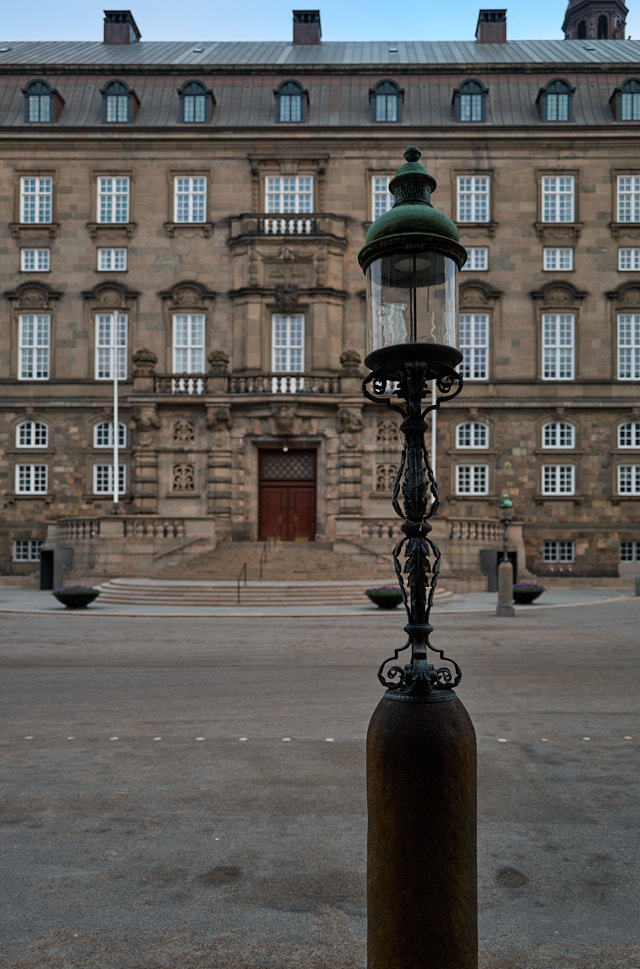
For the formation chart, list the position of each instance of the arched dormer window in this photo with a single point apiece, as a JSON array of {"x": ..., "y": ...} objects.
[
  {"x": 291, "y": 102},
  {"x": 195, "y": 103},
  {"x": 117, "y": 103},
  {"x": 32, "y": 434},
  {"x": 103, "y": 434},
  {"x": 558, "y": 434},
  {"x": 470, "y": 101},
  {"x": 386, "y": 101},
  {"x": 625, "y": 101},
  {"x": 40, "y": 102},
  {"x": 555, "y": 101}
]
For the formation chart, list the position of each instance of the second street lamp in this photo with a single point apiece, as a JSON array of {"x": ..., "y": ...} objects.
[
  {"x": 505, "y": 568},
  {"x": 421, "y": 751}
]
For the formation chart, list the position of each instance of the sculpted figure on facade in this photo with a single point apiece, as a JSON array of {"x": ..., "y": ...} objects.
[
  {"x": 219, "y": 423},
  {"x": 350, "y": 425},
  {"x": 146, "y": 424}
]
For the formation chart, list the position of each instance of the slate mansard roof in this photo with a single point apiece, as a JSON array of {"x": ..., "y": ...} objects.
[{"x": 337, "y": 77}]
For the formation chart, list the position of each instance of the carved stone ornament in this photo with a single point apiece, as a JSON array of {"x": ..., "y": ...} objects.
[
  {"x": 350, "y": 362},
  {"x": 350, "y": 425},
  {"x": 218, "y": 363},
  {"x": 146, "y": 424},
  {"x": 184, "y": 477},
  {"x": 385, "y": 478},
  {"x": 284, "y": 420},
  {"x": 286, "y": 298},
  {"x": 219, "y": 423},
  {"x": 187, "y": 296},
  {"x": 559, "y": 294},
  {"x": 628, "y": 295},
  {"x": 33, "y": 297},
  {"x": 110, "y": 297},
  {"x": 387, "y": 433},
  {"x": 184, "y": 432},
  {"x": 144, "y": 362}
]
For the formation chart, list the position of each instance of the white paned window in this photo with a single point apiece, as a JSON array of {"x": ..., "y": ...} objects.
[
  {"x": 472, "y": 434},
  {"x": 26, "y": 550},
  {"x": 557, "y": 107},
  {"x": 108, "y": 324},
  {"x": 386, "y": 107},
  {"x": 190, "y": 198},
  {"x": 113, "y": 199},
  {"x": 477, "y": 259},
  {"x": 558, "y": 346},
  {"x": 630, "y": 551},
  {"x": 36, "y": 199},
  {"x": 381, "y": 197},
  {"x": 188, "y": 343},
  {"x": 471, "y": 107},
  {"x": 629, "y": 434},
  {"x": 474, "y": 344},
  {"x": 559, "y": 260},
  {"x": 103, "y": 434},
  {"x": 559, "y": 434},
  {"x": 473, "y": 198},
  {"x": 31, "y": 479},
  {"x": 559, "y": 552},
  {"x": 35, "y": 260},
  {"x": 629, "y": 346},
  {"x": 558, "y": 195},
  {"x": 288, "y": 344},
  {"x": 103, "y": 479},
  {"x": 34, "y": 335},
  {"x": 32, "y": 434},
  {"x": 558, "y": 479},
  {"x": 289, "y": 194},
  {"x": 472, "y": 479},
  {"x": 628, "y": 198},
  {"x": 112, "y": 260},
  {"x": 629, "y": 479},
  {"x": 290, "y": 107},
  {"x": 629, "y": 260}
]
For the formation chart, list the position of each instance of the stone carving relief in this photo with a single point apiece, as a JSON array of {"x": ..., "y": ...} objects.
[
  {"x": 145, "y": 423},
  {"x": 219, "y": 423},
  {"x": 387, "y": 432},
  {"x": 286, "y": 298},
  {"x": 350, "y": 425},
  {"x": 184, "y": 432},
  {"x": 350, "y": 362},
  {"x": 144, "y": 362},
  {"x": 385, "y": 478},
  {"x": 284, "y": 418},
  {"x": 184, "y": 477},
  {"x": 218, "y": 363}
]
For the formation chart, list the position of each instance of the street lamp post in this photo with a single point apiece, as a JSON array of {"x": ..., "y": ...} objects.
[
  {"x": 421, "y": 750},
  {"x": 505, "y": 568}
]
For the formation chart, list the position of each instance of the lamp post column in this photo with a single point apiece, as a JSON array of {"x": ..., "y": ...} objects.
[{"x": 505, "y": 568}]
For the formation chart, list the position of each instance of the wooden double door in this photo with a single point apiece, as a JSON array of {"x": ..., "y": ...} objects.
[{"x": 287, "y": 495}]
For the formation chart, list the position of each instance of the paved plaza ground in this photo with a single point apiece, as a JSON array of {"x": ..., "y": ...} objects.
[{"x": 183, "y": 792}]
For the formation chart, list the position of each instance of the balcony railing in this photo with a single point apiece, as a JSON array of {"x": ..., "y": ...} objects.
[
  {"x": 294, "y": 224},
  {"x": 475, "y": 530},
  {"x": 195, "y": 385}
]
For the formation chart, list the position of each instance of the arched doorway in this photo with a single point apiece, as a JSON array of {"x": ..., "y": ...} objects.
[{"x": 287, "y": 495}]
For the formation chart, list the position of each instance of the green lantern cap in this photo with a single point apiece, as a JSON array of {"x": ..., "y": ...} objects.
[
  {"x": 412, "y": 224},
  {"x": 506, "y": 501}
]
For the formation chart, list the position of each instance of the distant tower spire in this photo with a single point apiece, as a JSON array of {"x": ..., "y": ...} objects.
[{"x": 595, "y": 20}]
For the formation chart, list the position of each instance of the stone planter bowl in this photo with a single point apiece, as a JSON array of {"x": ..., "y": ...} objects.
[
  {"x": 76, "y": 600},
  {"x": 385, "y": 600}
]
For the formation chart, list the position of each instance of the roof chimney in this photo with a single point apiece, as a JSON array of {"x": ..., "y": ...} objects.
[
  {"x": 120, "y": 27},
  {"x": 306, "y": 27},
  {"x": 492, "y": 27}
]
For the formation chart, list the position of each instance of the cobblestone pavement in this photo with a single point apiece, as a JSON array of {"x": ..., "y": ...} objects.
[{"x": 188, "y": 793}]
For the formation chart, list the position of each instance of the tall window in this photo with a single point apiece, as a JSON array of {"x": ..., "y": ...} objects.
[
  {"x": 559, "y": 552},
  {"x": 629, "y": 260},
  {"x": 556, "y": 101},
  {"x": 188, "y": 343},
  {"x": 385, "y": 101},
  {"x": 381, "y": 197},
  {"x": 34, "y": 335},
  {"x": 470, "y": 101},
  {"x": 474, "y": 344},
  {"x": 31, "y": 479},
  {"x": 103, "y": 479},
  {"x": 472, "y": 479},
  {"x": 628, "y": 198},
  {"x": 477, "y": 259},
  {"x": 288, "y": 344},
  {"x": 38, "y": 102},
  {"x": 558, "y": 346},
  {"x": 103, "y": 434},
  {"x": 472, "y": 434},
  {"x": 473, "y": 198},
  {"x": 190, "y": 198},
  {"x": 629, "y": 101},
  {"x": 109, "y": 325},
  {"x": 629, "y": 479},
  {"x": 290, "y": 102},
  {"x": 116, "y": 103},
  {"x": 32, "y": 434},
  {"x": 558, "y": 193},
  {"x": 113, "y": 199},
  {"x": 289, "y": 194},
  {"x": 194, "y": 103},
  {"x": 558, "y": 434},
  {"x": 629, "y": 346},
  {"x": 629, "y": 435},
  {"x": 35, "y": 260},
  {"x": 558, "y": 479},
  {"x": 557, "y": 260},
  {"x": 36, "y": 198}
]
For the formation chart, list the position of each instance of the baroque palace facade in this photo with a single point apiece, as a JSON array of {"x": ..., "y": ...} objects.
[{"x": 190, "y": 214}]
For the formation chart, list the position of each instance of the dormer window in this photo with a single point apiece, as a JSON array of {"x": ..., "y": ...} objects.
[
  {"x": 386, "y": 99},
  {"x": 117, "y": 103},
  {"x": 39, "y": 105},
  {"x": 555, "y": 101},
  {"x": 195, "y": 103},
  {"x": 291, "y": 100},
  {"x": 470, "y": 101},
  {"x": 625, "y": 101}
]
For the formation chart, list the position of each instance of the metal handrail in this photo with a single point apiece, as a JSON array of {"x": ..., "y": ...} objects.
[
  {"x": 264, "y": 554},
  {"x": 242, "y": 575}
]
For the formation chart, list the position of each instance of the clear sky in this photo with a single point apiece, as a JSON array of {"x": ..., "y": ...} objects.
[{"x": 271, "y": 19}]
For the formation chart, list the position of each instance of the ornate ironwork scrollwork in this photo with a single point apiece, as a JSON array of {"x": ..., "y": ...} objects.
[{"x": 415, "y": 500}]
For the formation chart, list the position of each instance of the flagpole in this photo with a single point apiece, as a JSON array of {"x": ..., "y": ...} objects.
[{"x": 114, "y": 372}]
